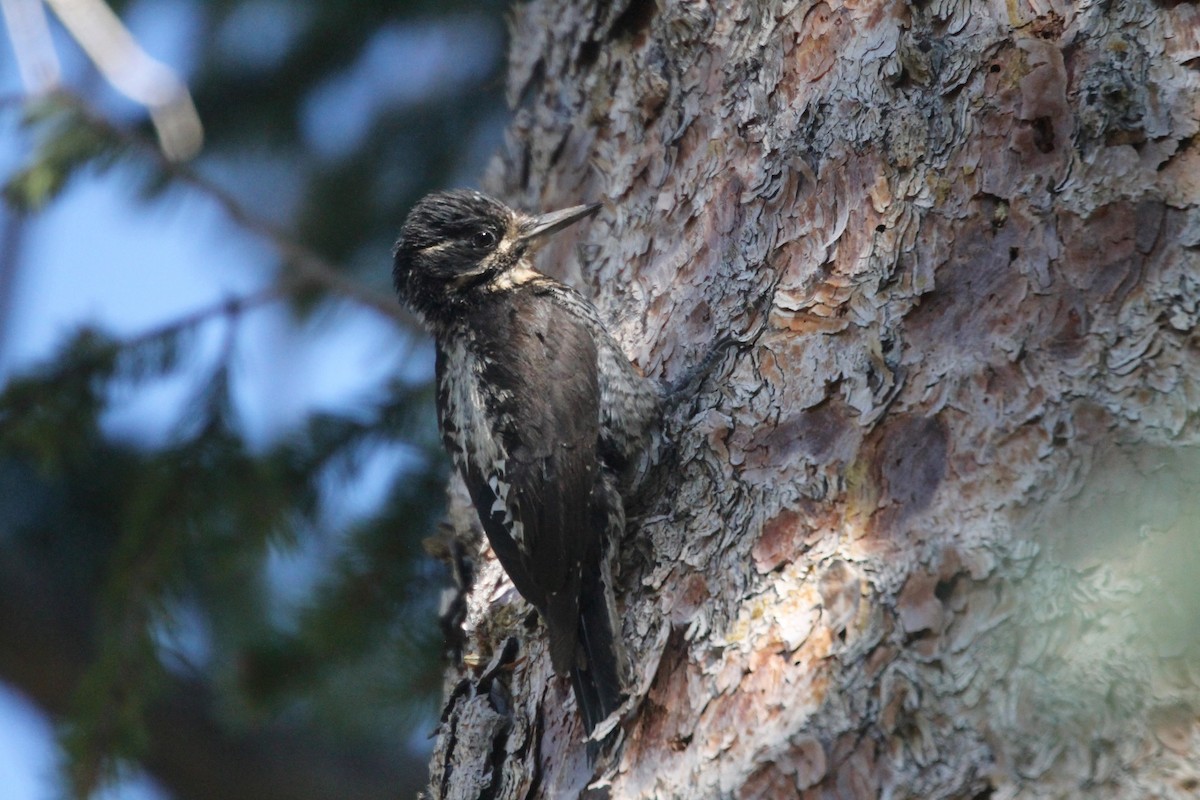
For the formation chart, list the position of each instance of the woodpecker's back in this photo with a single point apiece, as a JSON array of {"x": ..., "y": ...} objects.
[{"x": 540, "y": 411}]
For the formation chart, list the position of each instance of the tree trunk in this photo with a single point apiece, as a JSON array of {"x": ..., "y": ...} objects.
[{"x": 934, "y": 532}]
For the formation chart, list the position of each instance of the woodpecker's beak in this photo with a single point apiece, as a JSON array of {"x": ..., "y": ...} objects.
[{"x": 535, "y": 227}]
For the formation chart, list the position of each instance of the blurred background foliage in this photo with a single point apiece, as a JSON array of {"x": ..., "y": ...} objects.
[{"x": 151, "y": 597}]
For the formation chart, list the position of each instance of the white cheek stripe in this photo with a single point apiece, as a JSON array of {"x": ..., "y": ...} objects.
[{"x": 520, "y": 274}]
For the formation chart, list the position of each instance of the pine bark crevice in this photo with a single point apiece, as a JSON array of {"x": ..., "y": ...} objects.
[{"x": 932, "y": 534}]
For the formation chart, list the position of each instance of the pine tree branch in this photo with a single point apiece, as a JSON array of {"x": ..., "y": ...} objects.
[
  {"x": 44, "y": 652},
  {"x": 229, "y": 308},
  {"x": 82, "y": 362},
  {"x": 310, "y": 268}
]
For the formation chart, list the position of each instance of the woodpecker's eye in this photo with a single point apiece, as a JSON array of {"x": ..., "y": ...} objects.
[{"x": 483, "y": 240}]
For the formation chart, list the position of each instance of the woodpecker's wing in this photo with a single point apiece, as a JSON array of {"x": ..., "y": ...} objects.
[{"x": 543, "y": 356}]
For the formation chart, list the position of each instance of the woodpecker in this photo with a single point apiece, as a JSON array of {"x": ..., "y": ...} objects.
[{"x": 541, "y": 413}]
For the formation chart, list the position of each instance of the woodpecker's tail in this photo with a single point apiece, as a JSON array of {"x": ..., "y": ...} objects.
[{"x": 600, "y": 664}]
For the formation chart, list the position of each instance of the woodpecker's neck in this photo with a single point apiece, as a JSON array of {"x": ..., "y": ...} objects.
[{"x": 448, "y": 314}]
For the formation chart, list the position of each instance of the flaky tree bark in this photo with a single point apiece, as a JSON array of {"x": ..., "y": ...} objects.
[{"x": 933, "y": 533}]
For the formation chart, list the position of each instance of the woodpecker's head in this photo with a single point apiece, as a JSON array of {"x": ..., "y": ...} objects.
[{"x": 455, "y": 242}]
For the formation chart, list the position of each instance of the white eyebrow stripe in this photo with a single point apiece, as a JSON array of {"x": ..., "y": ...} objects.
[{"x": 435, "y": 247}]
